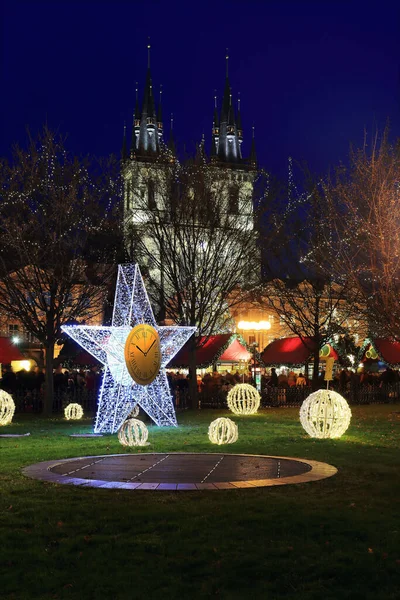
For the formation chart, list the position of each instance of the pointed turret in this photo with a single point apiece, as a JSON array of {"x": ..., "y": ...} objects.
[
  {"x": 148, "y": 138},
  {"x": 136, "y": 124},
  {"x": 228, "y": 144},
  {"x": 227, "y": 93}
]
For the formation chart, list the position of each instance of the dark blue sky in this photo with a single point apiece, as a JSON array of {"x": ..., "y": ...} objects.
[{"x": 312, "y": 75}]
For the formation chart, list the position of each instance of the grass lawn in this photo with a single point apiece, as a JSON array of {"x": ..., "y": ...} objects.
[{"x": 330, "y": 539}]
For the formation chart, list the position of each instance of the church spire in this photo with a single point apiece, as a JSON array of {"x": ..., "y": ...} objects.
[
  {"x": 136, "y": 123},
  {"x": 148, "y": 130},
  {"x": 228, "y": 143},
  {"x": 215, "y": 129}
]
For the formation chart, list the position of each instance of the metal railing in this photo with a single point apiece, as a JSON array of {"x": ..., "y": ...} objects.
[{"x": 32, "y": 401}]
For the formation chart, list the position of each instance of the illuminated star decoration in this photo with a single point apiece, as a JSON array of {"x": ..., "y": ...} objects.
[{"x": 119, "y": 392}]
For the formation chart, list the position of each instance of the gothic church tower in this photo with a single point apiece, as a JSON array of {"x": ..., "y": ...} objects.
[{"x": 147, "y": 166}]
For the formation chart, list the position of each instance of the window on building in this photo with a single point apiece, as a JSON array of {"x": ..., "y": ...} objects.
[
  {"x": 151, "y": 195},
  {"x": 252, "y": 339},
  {"x": 13, "y": 328},
  {"x": 233, "y": 203}
]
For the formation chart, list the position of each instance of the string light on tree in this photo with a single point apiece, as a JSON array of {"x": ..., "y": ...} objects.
[
  {"x": 223, "y": 431},
  {"x": 7, "y": 408},
  {"x": 133, "y": 433},
  {"x": 119, "y": 392},
  {"x": 243, "y": 399},
  {"x": 73, "y": 412},
  {"x": 325, "y": 414}
]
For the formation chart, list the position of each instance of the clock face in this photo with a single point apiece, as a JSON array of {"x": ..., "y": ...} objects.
[{"x": 143, "y": 354}]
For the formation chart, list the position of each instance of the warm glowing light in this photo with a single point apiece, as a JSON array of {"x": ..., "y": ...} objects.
[
  {"x": 243, "y": 399},
  {"x": 73, "y": 412},
  {"x": 254, "y": 325},
  {"x": 7, "y": 408},
  {"x": 133, "y": 433},
  {"x": 325, "y": 414},
  {"x": 223, "y": 431},
  {"x": 119, "y": 392},
  {"x": 17, "y": 365}
]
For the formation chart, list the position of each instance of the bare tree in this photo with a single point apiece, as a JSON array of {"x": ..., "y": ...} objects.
[
  {"x": 313, "y": 300},
  {"x": 56, "y": 255},
  {"x": 199, "y": 242},
  {"x": 365, "y": 203}
]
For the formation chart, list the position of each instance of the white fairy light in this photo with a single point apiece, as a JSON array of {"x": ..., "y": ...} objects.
[
  {"x": 223, "y": 431},
  {"x": 243, "y": 399},
  {"x": 119, "y": 393},
  {"x": 325, "y": 414},
  {"x": 73, "y": 412},
  {"x": 7, "y": 408},
  {"x": 133, "y": 433}
]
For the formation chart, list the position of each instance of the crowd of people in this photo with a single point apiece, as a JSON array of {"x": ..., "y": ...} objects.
[
  {"x": 27, "y": 387},
  {"x": 342, "y": 379}
]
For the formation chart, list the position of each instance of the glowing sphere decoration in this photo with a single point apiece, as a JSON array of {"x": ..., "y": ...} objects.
[
  {"x": 73, "y": 412},
  {"x": 243, "y": 399},
  {"x": 133, "y": 433},
  {"x": 325, "y": 414},
  {"x": 223, "y": 431},
  {"x": 7, "y": 408}
]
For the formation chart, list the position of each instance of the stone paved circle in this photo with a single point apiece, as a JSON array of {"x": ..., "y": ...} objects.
[{"x": 180, "y": 471}]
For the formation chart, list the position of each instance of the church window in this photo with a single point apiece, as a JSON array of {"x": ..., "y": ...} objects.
[{"x": 151, "y": 194}]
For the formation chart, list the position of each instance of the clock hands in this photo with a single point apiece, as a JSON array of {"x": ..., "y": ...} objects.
[{"x": 148, "y": 349}]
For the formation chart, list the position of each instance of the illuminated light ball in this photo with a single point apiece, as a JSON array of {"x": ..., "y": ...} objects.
[
  {"x": 325, "y": 414},
  {"x": 243, "y": 399},
  {"x": 134, "y": 412},
  {"x": 133, "y": 433},
  {"x": 73, "y": 412},
  {"x": 223, "y": 431},
  {"x": 7, "y": 408}
]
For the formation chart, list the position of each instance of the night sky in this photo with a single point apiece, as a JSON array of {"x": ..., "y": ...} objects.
[{"x": 312, "y": 75}]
